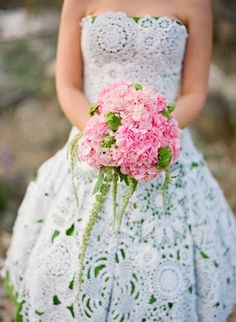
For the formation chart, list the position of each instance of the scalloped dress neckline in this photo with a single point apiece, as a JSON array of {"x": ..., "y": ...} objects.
[{"x": 136, "y": 18}]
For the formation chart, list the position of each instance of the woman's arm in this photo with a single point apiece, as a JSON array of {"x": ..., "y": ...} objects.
[
  {"x": 69, "y": 64},
  {"x": 196, "y": 63}
]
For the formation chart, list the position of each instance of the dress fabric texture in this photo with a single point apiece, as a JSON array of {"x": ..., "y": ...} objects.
[{"x": 178, "y": 265}]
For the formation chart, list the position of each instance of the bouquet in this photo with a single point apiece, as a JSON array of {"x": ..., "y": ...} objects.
[{"x": 130, "y": 136}]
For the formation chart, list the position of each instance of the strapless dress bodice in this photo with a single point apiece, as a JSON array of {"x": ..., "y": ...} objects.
[{"x": 147, "y": 50}]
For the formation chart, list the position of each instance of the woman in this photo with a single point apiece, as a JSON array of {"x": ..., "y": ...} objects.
[{"x": 174, "y": 266}]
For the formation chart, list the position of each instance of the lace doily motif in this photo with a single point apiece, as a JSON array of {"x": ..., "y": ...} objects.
[
  {"x": 147, "y": 50},
  {"x": 178, "y": 265}
]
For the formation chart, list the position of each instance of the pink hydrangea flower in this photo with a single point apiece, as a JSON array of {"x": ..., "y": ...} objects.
[{"x": 145, "y": 127}]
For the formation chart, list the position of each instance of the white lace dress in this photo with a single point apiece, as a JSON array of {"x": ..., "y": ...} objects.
[{"x": 175, "y": 266}]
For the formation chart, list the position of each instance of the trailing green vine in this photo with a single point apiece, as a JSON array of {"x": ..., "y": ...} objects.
[
  {"x": 114, "y": 195},
  {"x": 132, "y": 184},
  {"x": 72, "y": 154},
  {"x": 102, "y": 187}
]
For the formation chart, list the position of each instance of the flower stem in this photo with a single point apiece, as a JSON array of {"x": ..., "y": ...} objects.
[
  {"x": 97, "y": 206},
  {"x": 114, "y": 194},
  {"x": 164, "y": 188},
  {"x": 126, "y": 197},
  {"x": 72, "y": 153}
]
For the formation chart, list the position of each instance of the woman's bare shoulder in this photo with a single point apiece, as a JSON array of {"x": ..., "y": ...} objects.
[
  {"x": 196, "y": 7},
  {"x": 76, "y": 7},
  {"x": 195, "y": 12}
]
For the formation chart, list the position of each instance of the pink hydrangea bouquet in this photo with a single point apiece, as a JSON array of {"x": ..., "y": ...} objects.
[{"x": 130, "y": 136}]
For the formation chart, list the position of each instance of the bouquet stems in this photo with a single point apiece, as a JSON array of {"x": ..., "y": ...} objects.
[
  {"x": 97, "y": 207},
  {"x": 132, "y": 184},
  {"x": 114, "y": 194}
]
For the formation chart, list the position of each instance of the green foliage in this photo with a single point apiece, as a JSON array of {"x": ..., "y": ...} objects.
[
  {"x": 136, "y": 19},
  {"x": 164, "y": 157},
  {"x": 138, "y": 87},
  {"x": 114, "y": 194},
  {"x": 164, "y": 188},
  {"x": 56, "y": 300},
  {"x": 108, "y": 140},
  {"x": 132, "y": 184},
  {"x": 72, "y": 154},
  {"x": 9, "y": 289},
  {"x": 70, "y": 230},
  {"x": 55, "y": 234},
  {"x": 98, "y": 269},
  {"x": 71, "y": 285},
  {"x": 171, "y": 107},
  {"x": 166, "y": 113},
  {"x": 102, "y": 187},
  {"x": 71, "y": 309},
  {"x": 204, "y": 255},
  {"x": 92, "y": 109},
  {"x": 99, "y": 181},
  {"x": 4, "y": 195},
  {"x": 93, "y": 18},
  {"x": 22, "y": 64},
  {"x": 39, "y": 313},
  {"x": 113, "y": 121},
  {"x": 122, "y": 176},
  {"x": 152, "y": 299}
]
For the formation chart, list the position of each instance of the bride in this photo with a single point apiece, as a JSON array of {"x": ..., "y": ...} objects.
[{"x": 178, "y": 265}]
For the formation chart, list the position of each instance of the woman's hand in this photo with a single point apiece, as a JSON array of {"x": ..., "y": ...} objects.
[
  {"x": 196, "y": 63},
  {"x": 69, "y": 64}
]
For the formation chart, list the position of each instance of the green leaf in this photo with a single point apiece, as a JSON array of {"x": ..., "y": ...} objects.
[
  {"x": 215, "y": 264},
  {"x": 170, "y": 305},
  {"x": 55, "y": 234},
  {"x": 103, "y": 189},
  {"x": 123, "y": 177},
  {"x": 98, "y": 269},
  {"x": 99, "y": 181},
  {"x": 166, "y": 113},
  {"x": 135, "y": 18},
  {"x": 178, "y": 255},
  {"x": 113, "y": 121},
  {"x": 164, "y": 157},
  {"x": 152, "y": 299},
  {"x": 56, "y": 300},
  {"x": 71, "y": 285},
  {"x": 9, "y": 289},
  {"x": 71, "y": 309},
  {"x": 70, "y": 230},
  {"x": 138, "y": 87},
  {"x": 93, "y": 109},
  {"x": 170, "y": 107},
  {"x": 108, "y": 140},
  {"x": 132, "y": 184},
  {"x": 204, "y": 255},
  {"x": 194, "y": 165},
  {"x": 93, "y": 18},
  {"x": 19, "y": 317},
  {"x": 39, "y": 313}
]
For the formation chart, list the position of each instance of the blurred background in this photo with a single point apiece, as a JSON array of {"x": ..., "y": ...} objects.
[{"x": 33, "y": 127}]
